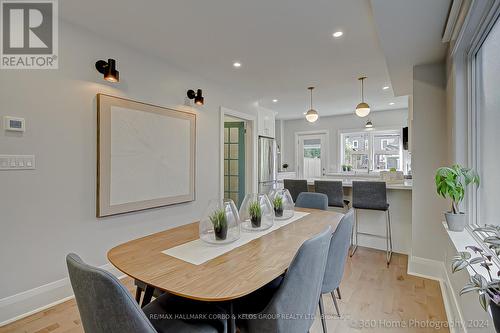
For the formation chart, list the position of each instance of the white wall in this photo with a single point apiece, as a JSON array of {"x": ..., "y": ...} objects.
[
  {"x": 390, "y": 118},
  {"x": 430, "y": 151},
  {"x": 49, "y": 212}
]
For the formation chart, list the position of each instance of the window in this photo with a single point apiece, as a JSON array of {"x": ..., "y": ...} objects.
[
  {"x": 484, "y": 128},
  {"x": 373, "y": 150}
]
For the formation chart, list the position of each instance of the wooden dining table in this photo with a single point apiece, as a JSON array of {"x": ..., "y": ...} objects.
[{"x": 225, "y": 278}]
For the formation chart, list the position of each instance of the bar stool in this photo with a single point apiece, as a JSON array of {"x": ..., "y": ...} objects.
[
  {"x": 335, "y": 192},
  {"x": 371, "y": 196},
  {"x": 295, "y": 187}
]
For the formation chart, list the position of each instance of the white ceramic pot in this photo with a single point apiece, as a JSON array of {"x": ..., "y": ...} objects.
[{"x": 456, "y": 222}]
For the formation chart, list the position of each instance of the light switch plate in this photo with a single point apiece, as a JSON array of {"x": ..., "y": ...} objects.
[{"x": 17, "y": 162}]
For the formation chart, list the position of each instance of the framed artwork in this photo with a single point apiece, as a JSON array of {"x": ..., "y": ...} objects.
[{"x": 145, "y": 156}]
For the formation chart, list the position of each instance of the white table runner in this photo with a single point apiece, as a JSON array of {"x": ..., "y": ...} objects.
[{"x": 197, "y": 252}]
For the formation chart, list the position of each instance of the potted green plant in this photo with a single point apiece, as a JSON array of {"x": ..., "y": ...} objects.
[
  {"x": 451, "y": 183},
  {"x": 278, "y": 206},
  {"x": 487, "y": 286},
  {"x": 344, "y": 167},
  {"x": 349, "y": 167},
  {"x": 218, "y": 219},
  {"x": 255, "y": 214}
]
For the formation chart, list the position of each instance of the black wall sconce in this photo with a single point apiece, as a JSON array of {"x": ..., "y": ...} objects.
[
  {"x": 198, "y": 96},
  {"x": 108, "y": 69}
]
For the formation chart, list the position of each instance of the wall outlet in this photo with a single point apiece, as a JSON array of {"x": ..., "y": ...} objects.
[{"x": 17, "y": 162}]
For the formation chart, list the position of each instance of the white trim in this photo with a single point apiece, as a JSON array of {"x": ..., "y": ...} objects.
[
  {"x": 252, "y": 120},
  {"x": 26, "y": 303},
  {"x": 435, "y": 270}
]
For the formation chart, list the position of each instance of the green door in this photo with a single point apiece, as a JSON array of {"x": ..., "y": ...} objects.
[{"x": 234, "y": 161}]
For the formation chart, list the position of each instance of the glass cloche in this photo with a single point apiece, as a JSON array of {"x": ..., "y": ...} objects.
[
  {"x": 220, "y": 223},
  {"x": 282, "y": 202},
  {"x": 256, "y": 212}
]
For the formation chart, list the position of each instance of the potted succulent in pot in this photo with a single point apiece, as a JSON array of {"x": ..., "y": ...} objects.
[
  {"x": 488, "y": 287},
  {"x": 255, "y": 214},
  {"x": 278, "y": 206},
  {"x": 218, "y": 219},
  {"x": 451, "y": 182}
]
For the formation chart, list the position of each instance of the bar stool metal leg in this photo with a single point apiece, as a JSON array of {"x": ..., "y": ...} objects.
[
  {"x": 354, "y": 237},
  {"x": 389, "y": 238}
]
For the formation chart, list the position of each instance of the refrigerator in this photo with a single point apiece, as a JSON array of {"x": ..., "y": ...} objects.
[{"x": 268, "y": 168}]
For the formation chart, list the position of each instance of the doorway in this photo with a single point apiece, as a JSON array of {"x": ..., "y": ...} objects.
[
  {"x": 238, "y": 167},
  {"x": 311, "y": 152},
  {"x": 234, "y": 159}
]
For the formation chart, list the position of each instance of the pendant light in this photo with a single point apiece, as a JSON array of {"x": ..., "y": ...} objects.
[
  {"x": 363, "y": 109},
  {"x": 311, "y": 115},
  {"x": 369, "y": 124}
]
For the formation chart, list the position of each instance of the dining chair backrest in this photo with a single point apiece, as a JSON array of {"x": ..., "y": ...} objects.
[
  {"x": 312, "y": 200},
  {"x": 295, "y": 187},
  {"x": 369, "y": 195},
  {"x": 333, "y": 189},
  {"x": 298, "y": 294},
  {"x": 105, "y": 305},
  {"x": 337, "y": 254}
]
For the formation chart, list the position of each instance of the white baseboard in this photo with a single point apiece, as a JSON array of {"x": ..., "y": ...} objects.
[
  {"x": 31, "y": 301},
  {"x": 435, "y": 270}
]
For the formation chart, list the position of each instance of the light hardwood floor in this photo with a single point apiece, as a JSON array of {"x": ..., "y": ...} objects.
[{"x": 385, "y": 299}]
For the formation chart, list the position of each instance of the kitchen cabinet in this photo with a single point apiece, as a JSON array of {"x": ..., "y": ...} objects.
[{"x": 266, "y": 123}]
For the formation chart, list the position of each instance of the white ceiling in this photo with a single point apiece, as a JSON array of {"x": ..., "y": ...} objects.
[
  {"x": 424, "y": 21},
  {"x": 283, "y": 45}
]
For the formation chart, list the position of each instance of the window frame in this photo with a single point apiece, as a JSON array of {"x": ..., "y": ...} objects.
[
  {"x": 483, "y": 27},
  {"x": 371, "y": 149}
]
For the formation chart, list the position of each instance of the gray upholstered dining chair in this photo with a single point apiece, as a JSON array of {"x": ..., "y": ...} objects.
[
  {"x": 107, "y": 307},
  {"x": 371, "y": 196},
  {"x": 296, "y": 294},
  {"x": 295, "y": 187},
  {"x": 337, "y": 255},
  {"x": 334, "y": 190},
  {"x": 312, "y": 200}
]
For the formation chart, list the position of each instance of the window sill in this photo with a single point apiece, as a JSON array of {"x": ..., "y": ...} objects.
[{"x": 460, "y": 240}]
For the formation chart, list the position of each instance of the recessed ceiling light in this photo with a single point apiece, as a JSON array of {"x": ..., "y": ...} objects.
[
  {"x": 385, "y": 87},
  {"x": 275, "y": 101},
  {"x": 392, "y": 103},
  {"x": 338, "y": 34},
  {"x": 237, "y": 64}
]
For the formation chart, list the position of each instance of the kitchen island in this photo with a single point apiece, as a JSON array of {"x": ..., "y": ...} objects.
[{"x": 399, "y": 196}]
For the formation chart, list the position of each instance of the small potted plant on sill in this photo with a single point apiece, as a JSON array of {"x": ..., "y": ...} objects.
[
  {"x": 451, "y": 182},
  {"x": 218, "y": 219},
  {"x": 278, "y": 206},
  {"x": 349, "y": 168},
  {"x": 344, "y": 167},
  {"x": 487, "y": 286},
  {"x": 255, "y": 214}
]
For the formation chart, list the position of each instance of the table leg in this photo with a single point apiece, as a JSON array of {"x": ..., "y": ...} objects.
[
  {"x": 138, "y": 294},
  {"x": 231, "y": 323},
  {"x": 148, "y": 294}
]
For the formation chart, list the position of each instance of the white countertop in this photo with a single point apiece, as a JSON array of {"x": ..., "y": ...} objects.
[{"x": 407, "y": 184}]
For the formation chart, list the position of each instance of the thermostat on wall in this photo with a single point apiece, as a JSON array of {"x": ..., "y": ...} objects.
[{"x": 14, "y": 124}]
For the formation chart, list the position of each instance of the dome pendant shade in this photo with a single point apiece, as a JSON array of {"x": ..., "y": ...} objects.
[
  {"x": 312, "y": 115},
  {"x": 362, "y": 109}
]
